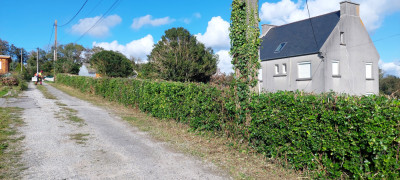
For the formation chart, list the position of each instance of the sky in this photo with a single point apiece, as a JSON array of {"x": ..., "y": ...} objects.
[{"x": 133, "y": 27}]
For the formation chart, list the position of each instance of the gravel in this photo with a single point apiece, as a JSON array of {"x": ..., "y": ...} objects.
[{"x": 112, "y": 148}]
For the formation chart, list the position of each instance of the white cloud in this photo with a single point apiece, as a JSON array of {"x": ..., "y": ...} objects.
[
  {"x": 216, "y": 35},
  {"x": 136, "y": 48},
  {"x": 391, "y": 68},
  {"x": 224, "y": 63},
  {"x": 372, "y": 12},
  {"x": 100, "y": 30},
  {"x": 148, "y": 20}
]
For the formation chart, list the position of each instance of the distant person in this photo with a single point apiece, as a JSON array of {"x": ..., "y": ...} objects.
[{"x": 39, "y": 77}]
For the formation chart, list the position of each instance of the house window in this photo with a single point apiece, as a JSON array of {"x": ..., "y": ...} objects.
[
  {"x": 276, "y": 69},
  {"x": 260, "y": 74},
  {"x": 342, "y": 42},
  {"x": 0, "y": 64},
  {"x": 368, "y": 70},
  {"x": 284, "y": 69},
  {"x": 335, "y": 68},
  {"x": 280, "y": 47},
  {"x": 304, "y": 70}
]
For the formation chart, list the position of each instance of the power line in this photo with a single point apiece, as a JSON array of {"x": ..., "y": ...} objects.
[
  {"x": 74, "y": 15},
  {"x": 99, "y": 20},
  {"x": 312, "y": 27},
  {"x": 94, "y": 7},
  {"x": 315, "y": 40}
]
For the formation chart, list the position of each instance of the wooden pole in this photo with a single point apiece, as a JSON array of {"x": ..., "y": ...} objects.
[
  {"x": 55, "y": 50},
  {"x": 55, "y": 41},
  {"x": 21, "y": 60},
  {"x": 37, "y": 62}
]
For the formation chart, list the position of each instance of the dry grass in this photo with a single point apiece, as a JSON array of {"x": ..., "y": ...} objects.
[
  {"x": 10, "y": 152},
  {"x": 238, "y": 159}
]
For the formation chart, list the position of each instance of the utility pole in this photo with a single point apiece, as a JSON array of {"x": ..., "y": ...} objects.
[
  {"x": 55, "y": 41},
  {"x": 21, "y": 60},
  {"x": 37, "y": 62},
  {"x": 55, "y": 49}
]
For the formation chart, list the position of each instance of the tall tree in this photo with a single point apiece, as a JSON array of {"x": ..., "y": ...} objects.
[
  {"x": 32, "y": 61},
  {"x": 180, "y": 57},
  {"x": 390, "y": 85},
  {"x": 4, "y": 47},
  {"x": 111, "y": 64}
]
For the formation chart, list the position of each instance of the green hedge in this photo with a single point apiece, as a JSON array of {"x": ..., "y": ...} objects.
[
  {"x": 334, "y": 136},
  {"x": 196, "y": 104}
]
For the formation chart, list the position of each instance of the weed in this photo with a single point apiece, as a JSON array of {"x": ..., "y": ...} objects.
[
  {"x": 79, "y": 138},
  {"x": 58, "y": 103}
]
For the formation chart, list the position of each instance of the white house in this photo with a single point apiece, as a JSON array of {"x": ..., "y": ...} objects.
[{"x": 331, "y": 52}]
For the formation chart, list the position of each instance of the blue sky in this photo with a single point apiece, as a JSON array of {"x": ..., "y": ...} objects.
[{"x": 132, "y": 27}]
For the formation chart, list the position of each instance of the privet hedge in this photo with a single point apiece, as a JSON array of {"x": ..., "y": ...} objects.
[{"x": 334, "y": 136}]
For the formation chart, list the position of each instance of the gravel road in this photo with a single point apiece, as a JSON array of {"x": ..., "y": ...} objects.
[{"x": 108, "y": 147}]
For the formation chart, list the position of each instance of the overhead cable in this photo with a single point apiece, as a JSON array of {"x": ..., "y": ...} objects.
[{"x": 74, "y": 15}]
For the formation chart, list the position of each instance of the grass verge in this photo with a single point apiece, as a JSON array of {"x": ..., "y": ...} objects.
[
  {"x": 10, "y": 166},
  {"x": 3, "y": 91},
  {"x": 238, "y": 159}
]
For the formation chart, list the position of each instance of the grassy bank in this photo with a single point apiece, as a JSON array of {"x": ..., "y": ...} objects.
[{"x": 9, "y": 139}]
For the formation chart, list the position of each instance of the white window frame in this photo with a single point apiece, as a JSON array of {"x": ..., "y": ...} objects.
[
  {"x": 260, "y": 75},
  {"x": 276, "y": 69},
  {"x": 342, "y": 38},
  {"x": 337, "y": 73},
  {"x": 284, "y": 68},
  {"x": 304, "y": 75},
  {"x": 368, "y": 71},
  {"x": 1, "y": 62}
]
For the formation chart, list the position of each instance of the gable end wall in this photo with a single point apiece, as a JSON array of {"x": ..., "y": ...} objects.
[{"x": 357, "y": 51}]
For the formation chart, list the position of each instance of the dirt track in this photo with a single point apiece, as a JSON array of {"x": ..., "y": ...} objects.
[{"x": 101, "y": 147}]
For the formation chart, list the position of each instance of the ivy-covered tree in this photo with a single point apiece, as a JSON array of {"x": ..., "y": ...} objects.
[
  {"x": 111, "y": 64},
  {"x": 244, "y": 35},
  {"x": 180, "y": 57}
]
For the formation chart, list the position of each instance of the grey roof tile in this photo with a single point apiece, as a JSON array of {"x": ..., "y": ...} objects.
[{"x": 299, "y": 37}]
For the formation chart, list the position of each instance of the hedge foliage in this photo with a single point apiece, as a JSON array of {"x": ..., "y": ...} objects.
[{"x": 334, "y": 136}]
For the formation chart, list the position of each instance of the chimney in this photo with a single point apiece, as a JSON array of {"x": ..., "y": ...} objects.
[
  {"x": 266, "y": 28},
  {"x": 349, "y": 8}
]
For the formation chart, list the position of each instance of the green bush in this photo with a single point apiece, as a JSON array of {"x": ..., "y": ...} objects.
[{"x": 333, "y": 136}]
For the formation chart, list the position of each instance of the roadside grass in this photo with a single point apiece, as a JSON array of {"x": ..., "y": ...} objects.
[
  {"x": 241, "y": 161},
  {"x": 10, "y": 166},
  {"x": 45, "y": 92},
  {"x": 79, "y": 138},
  {"x": 14, "y": 91},
  {"x": 3, "y": 91}
]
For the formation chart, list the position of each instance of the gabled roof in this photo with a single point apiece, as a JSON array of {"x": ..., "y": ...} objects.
[{"x": 298, "y": 36}]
